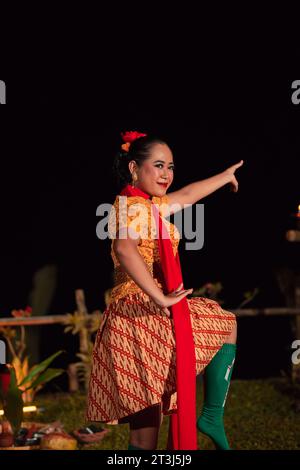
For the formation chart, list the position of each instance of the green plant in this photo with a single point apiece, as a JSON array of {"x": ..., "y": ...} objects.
[
  {"x": 16, "y": 341},
  {"x": 12, "y": 402},
  {"x": 12, "y": 397},
  {"x": 248, "y": 297},
  {"x": 212, "y": 291}
]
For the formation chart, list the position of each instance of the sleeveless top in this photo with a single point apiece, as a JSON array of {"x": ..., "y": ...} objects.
[{"x": 135, "y": 212}]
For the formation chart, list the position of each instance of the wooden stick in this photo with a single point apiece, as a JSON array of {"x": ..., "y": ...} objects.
[
  {"x": 251, "y": 312},
  {"x": 83, "y": 333},
  {"x": 80, "y": 301},
  {"x": 73, "y": 379},
  {"x": 242, "y": 312},
  {"x": 44, "y": 320}
]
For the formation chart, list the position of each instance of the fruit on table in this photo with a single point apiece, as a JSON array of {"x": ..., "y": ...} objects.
[{"x": 58, "y": 441}]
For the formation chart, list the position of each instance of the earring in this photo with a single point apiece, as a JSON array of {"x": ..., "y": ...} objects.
[{"x": 134, "y": 179}]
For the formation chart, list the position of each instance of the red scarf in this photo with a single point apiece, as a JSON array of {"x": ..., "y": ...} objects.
[{"x": 182, "y": 428}]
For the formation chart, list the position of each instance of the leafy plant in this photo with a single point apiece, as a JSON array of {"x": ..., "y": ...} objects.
[
  {"x": 40, "y": 374},
  {"x": 12, "y": 398},
  {"x": 248, "y": 297},
  {"x": 26, "y": 375},
  {"x": 212, "y": 291}
]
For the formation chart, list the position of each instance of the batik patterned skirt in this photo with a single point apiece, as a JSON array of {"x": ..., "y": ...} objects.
[{"x": 134, "y": 355}]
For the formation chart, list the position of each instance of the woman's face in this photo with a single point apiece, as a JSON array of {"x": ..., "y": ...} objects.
[{"x": 155, "y": 175}]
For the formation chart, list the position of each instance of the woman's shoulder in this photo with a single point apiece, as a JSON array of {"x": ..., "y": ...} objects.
[
  {"x": 160, "y": 200},
  {"x": 131, "y": 204},
  {"x": 131, "y": 199},
  {"x": 163, "y": 204},
  {"x": 127, "y": 206},
  {"x": 126, "y": 201},
  {"x": 155, "y": 199}
]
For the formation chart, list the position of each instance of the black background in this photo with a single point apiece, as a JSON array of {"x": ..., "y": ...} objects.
[{"x": 214, "y": 106}]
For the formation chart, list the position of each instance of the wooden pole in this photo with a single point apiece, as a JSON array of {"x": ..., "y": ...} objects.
[
  {"x": 73, "y": 380},
  {"x": 243, "y": 312},
  {"x": 27, "y": 321},
  {"x": 253, "y": 312},
  {"x": 83, "y": 333}
]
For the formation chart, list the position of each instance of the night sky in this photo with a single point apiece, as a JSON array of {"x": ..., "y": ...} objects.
[{"x": 56, "y": 157}]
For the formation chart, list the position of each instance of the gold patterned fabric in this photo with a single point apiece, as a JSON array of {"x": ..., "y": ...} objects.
[
  {"x": 134, "y": 355},
  {"x": 135, "y": 212}
]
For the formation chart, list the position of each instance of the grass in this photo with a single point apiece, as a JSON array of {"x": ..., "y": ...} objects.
[{"x": 259, "y": 415}]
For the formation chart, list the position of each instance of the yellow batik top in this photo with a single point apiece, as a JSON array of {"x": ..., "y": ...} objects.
[{"x": 135, "y": 212}]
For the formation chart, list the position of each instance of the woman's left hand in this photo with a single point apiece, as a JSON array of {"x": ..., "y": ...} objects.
[{"x": 232, "y": 179}]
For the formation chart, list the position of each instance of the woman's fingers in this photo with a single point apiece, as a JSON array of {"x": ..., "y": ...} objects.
[
  {"x": 182, "y": 294},
  {"x": 167, "y": 311},
  {"x": 176, "y": 299},
  {"x": 237, "y": 165},
  {"x": 234, "y": 167},
  {"x": 179, "y": 288},
  {"x": 234, "y": 185}
]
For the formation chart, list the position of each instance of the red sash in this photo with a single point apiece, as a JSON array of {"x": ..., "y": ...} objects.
[{"x": 182, "y": 428}]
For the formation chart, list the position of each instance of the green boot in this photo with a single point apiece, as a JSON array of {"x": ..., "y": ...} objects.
[{"x": 217, "y": 377}]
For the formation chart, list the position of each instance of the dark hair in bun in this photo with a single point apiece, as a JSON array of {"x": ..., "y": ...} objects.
[{"x": 139, "y": 151}]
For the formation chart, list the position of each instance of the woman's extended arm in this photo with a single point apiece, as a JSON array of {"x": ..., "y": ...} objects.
[
  {"x": 133, "y": 263},
  {"x": 193, "y": 192}
]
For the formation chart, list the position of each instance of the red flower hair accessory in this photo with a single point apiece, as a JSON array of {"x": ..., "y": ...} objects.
[{"x": 129, "y": 137}]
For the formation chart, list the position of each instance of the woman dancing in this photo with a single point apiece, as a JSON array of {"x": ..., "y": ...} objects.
[{"x": 153, "y": 340}]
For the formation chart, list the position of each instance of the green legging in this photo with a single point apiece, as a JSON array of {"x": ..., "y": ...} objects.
[{"x": 217, "y": 377}]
